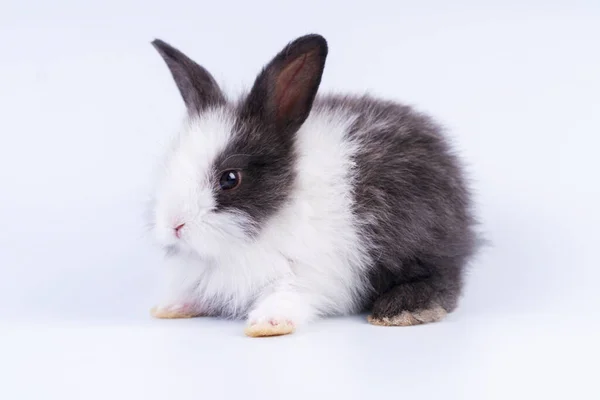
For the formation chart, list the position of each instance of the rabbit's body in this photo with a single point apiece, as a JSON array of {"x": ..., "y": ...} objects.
[{"x": 344, "y": 204}]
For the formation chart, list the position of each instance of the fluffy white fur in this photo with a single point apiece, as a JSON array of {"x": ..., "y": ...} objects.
[{"x": 308, "y": 260}]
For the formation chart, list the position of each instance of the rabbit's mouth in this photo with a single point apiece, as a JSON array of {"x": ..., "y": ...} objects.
[{"x": 211, "y": 235}]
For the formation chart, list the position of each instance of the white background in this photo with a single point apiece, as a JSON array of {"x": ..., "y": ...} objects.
[{"x": 86, "y": 105}]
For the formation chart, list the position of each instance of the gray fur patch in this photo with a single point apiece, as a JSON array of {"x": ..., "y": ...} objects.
[{"x": 412, "y": 203}]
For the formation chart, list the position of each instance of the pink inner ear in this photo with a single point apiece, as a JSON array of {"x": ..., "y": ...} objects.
[
  {"x": 284, "y": 99},
  {"x": 293, "y": 84}
]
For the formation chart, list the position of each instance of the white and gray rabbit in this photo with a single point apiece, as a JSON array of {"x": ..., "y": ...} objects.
[{"x": 284, "y": 206}]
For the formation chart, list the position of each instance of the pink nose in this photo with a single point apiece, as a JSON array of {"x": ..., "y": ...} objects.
[{"x": 178, "y": 229}]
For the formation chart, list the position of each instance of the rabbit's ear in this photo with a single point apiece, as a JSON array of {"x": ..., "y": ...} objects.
[
  {"x": 196, "y": 85},
  {"x": 284, "y": 91}
]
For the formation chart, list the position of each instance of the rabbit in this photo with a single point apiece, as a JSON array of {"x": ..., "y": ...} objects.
[{"x": 284, "y": 207}]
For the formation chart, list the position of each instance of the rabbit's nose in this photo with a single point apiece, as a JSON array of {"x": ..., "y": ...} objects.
[{"x": 178, "y": 229}]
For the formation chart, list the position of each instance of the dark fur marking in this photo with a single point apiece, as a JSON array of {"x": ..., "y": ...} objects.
[{"x": 413, "y": 203}]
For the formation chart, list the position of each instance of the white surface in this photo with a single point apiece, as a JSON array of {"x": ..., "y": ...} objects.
[{"x": 87, "y": 104}]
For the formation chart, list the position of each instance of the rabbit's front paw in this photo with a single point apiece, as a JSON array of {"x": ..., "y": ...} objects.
[
  {"x": 175, "y": 311},
  {"x": 269, "y": 327},
  {"x": 274, "y": 316},
  {"x": 279, "y": 313}
]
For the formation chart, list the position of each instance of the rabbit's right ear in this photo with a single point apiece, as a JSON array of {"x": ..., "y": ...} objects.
[
  {"x": 284, "y": 91},
  {"x": 196, "y": 85}
]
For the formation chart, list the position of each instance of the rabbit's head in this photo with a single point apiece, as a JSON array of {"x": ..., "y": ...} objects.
[{"x": 232, "y": 166}]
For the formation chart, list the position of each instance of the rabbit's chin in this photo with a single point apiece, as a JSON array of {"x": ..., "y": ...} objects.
[
  {"x": 204, "y": 248},
  {"x": 210, "y": 249}
]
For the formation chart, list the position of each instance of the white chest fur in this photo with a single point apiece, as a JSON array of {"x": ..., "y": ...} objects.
[{"x": 311, "y": 247}]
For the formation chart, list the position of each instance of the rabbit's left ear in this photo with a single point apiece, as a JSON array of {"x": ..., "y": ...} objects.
[
  {"x": 196, "y": 85},
  {"x": 284, "y": 91}
]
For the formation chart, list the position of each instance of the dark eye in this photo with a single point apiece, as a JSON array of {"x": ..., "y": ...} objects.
[{"x": 230, "y": 180}]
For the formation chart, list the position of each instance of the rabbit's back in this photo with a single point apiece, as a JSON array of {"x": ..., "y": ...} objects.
[{"x": 411, "y": 197}]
